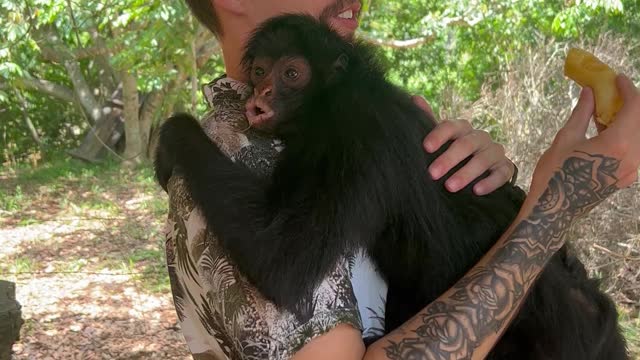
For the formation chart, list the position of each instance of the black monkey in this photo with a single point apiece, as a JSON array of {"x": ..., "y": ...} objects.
[{"x": 353, "y": 176}]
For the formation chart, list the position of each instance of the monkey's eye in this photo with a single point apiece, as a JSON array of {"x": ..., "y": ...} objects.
[
  {"x": 259, "y": 72},
  {"x": 292, "y": 73}
]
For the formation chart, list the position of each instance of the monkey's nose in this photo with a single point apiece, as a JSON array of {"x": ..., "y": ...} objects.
[
  {"x": 266, "y": 91},
  {"x": 256, "y": 110}
]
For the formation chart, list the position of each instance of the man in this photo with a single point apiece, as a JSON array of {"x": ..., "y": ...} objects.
[{"x": 221, "y": 315}]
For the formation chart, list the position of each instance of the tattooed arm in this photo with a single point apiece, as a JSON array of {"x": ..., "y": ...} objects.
[
  {"x": 467, "y": 320},
  {"x": 573, "y": 176}
]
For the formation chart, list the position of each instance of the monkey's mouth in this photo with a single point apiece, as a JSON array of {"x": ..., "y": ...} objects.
[{"x": 259, "y": 113}]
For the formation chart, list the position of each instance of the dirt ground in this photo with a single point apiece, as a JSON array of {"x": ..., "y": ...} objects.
[
  {"x": 86, "y": 253},
  {"x": 89, "y": 272}
]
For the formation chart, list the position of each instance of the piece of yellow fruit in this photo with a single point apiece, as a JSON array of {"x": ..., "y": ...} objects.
[{"x": 588, "y": 71}]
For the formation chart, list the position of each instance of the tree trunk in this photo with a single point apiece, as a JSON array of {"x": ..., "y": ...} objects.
[
  {"x": 104, "y": 135},
  {"x": 10, "y": 319},
  {"x": 194, "y": 77},
  {"x": 27, "y": 119},
  {"x": 172, "y": 98},
  {"x": 148, "y": 115},
  {"x": 133, "y": 148},
  {"x": 83, "y": 91},
  {"x": 194, "y": 67},
  {"x": 107, "y": 76}
]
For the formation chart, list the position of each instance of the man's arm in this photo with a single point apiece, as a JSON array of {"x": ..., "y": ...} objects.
[
  {"x": 469, "y": 318},
  {"x": 571, "y": 178}
]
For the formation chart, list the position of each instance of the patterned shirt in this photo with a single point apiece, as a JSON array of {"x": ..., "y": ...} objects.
[{"x": 221, "y": 315}]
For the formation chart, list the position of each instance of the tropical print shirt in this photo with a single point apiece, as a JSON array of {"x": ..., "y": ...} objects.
[{"x": 221, "y": 315}]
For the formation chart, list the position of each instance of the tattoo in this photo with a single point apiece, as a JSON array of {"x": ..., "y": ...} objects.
[{"x": 485, "y": 300}]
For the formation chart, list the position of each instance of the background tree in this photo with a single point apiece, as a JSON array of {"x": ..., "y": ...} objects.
[{"x": 65, "y": 66}]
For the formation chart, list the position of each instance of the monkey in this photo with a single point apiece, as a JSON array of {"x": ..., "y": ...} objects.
[{"x": 352, "y": 176}]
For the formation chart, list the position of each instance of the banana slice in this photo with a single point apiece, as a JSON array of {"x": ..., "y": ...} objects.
[{"x": 588, "y": 71}]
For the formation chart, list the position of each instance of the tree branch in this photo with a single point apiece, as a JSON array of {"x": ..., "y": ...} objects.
[
  {"x": 53, "y": 48},
  {"x": 96, "y": 51},
  {"x": 461, "y": 21},
  {"x": 27, "y": 120},
  {"x": 203, "y": 35},
  {"x": 205, "y": 52},
  {"x": 399, "y": 44},
  {"x": 44, "y": 86},
  {"x": 106, "y": 73}
]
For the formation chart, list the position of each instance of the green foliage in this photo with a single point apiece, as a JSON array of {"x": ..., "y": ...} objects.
[
  {"x": 149, "y": 38},
  {"x": 460, "y": 44},
  {"x": 630, "y": 326},
  {"x": 468, "y": 41},
  {"x": 11, "y": 201}
]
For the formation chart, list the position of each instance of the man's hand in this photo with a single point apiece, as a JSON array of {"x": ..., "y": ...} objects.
[
  {"x": 620, "y": 141},
  {"x": 468, "y": 141}
]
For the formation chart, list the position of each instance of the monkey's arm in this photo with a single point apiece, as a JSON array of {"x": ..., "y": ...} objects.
[{"x": 285, "y": 237}]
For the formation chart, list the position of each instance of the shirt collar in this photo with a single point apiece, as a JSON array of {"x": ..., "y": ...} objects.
[{"x": 224, "y": 89}]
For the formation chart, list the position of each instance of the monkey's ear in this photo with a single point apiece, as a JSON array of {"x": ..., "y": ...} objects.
[
  {"x": 339, "y": 67},
  {"x": 342, "y": 63}
]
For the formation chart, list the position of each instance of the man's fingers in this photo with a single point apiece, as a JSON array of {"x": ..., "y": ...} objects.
[
  {"x": 445, "y": 131},
  {"x": 627, "y": 123},
  {"x": 423, "y": 104},
  {"x": 627, "y": 90},
  {"x": 578, "y": 122},
  {"x": 481, "y": 162},
  {"x": 498, "y": 177},
  {"x": 461, "y": 149}
]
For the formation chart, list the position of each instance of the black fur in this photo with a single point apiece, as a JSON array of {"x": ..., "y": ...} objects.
[{"x": 354, "y": 175}]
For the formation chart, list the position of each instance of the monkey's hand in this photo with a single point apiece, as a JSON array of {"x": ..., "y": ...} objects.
[{"x": 176, "y": 139}]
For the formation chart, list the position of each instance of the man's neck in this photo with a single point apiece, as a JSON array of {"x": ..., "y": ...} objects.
[{"x": 232, "y": 51}]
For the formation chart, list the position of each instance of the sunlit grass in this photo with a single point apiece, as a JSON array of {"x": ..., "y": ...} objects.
[
  {"x": 149, "y": 268},
  {"x": 21, "y": 265},
  {"x": 631, "y": 330},
  {"x": 12, "y": 200},
  {"x": 157, "y": 205},
  {"x": 74, "y": 265},
  {"x": 125, "y": 203}
]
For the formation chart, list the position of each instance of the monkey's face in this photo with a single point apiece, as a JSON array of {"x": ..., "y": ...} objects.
[{"x": 279, "y": 88}]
